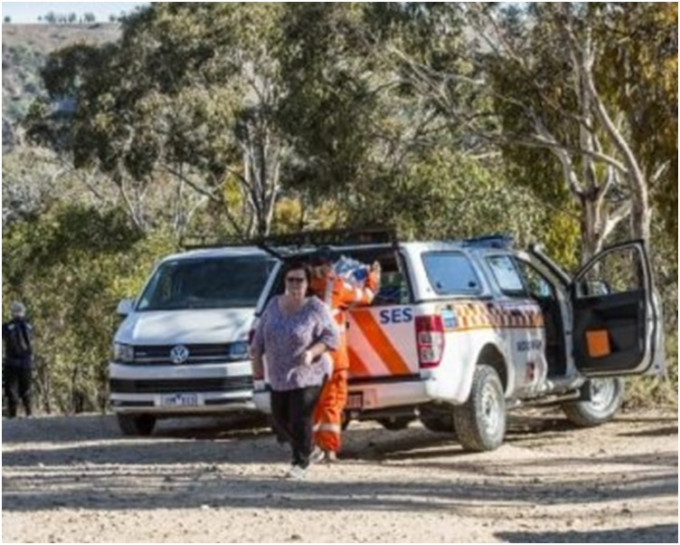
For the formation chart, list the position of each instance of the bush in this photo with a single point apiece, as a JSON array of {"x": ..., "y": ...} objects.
[
  {"x": 71, "y": 266},
  {"x": 651, "y": 391}
]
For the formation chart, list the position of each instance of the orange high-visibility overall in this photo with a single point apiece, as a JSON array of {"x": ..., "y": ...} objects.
[{"x": 338, "y": 294}]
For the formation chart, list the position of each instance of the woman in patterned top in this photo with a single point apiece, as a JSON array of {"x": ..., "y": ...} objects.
[{"x": 295, "y": 332}]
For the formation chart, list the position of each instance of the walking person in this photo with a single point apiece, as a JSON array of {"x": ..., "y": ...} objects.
[
  {"x": 17, "y": 336},
  {"x": 295, "y": 333},
  {"x": 339, "y": 295}
]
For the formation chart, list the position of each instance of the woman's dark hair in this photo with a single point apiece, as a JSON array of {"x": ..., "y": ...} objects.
[{"x": 297, "y": 266}]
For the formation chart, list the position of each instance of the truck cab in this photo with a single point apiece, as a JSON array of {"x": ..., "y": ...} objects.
[
  {"x": 182, "y": 348},
  {"x": 462, "y": 331}
]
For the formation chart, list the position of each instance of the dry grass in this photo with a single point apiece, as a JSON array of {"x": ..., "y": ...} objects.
[{"x": 46, "y": 38}]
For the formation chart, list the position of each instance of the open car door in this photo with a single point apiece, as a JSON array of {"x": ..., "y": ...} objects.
[{"x": 617, "y": 327}]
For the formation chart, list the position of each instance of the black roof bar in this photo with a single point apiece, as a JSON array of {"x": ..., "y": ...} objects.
[
  {"x": 330, "y": 237},
  {"x": 296, "y": 241},
  {"x": 202, "y": 242}
]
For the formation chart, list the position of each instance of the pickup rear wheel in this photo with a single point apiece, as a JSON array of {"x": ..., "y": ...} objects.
[
  {"x": 395, "y": 423},
  {"x": 606, "y": 397},
  {"x": 480, "y": 422},
  {"x": 139, "y": 425}
]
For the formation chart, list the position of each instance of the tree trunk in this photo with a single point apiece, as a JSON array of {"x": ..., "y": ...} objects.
[
  {"x": 641, "y": 215},
  {"x": 591, "y": 234}
]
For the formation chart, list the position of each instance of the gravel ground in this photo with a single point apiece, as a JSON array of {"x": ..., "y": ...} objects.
[{"x": 76, "y": 479}]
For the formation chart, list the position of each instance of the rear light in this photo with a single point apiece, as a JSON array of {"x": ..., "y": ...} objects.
[{"x": 430, "y": 340}]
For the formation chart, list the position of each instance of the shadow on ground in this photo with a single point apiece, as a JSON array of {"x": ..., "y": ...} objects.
[
  {"x": 192, "y": 464},
  {"x": 660, "y": 533}
]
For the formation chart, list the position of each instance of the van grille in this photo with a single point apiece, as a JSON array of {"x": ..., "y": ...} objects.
[
  {"x": 228, "y": 384},
  {"x": 198, "y": 353}
]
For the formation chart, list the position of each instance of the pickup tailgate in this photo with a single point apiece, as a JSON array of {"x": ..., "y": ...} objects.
[{"x": 382, "y": 342}]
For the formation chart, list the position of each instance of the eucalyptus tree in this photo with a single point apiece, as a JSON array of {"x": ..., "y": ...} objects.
[
  {"x": 183, "y": 100},
  {"x": 360, "y": 129},
  {"x": 567, "y": 100},
  {"x": 561, "y": 118}
]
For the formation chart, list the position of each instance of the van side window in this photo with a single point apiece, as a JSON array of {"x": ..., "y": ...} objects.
[
  {"x": 450, "y": 273},
  {"x": 506, "y": 275}
]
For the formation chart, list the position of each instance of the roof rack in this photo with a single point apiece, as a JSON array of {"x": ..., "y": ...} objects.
[
  {"x": 197, "y": 242},
  {"x": 330, "y": 237},
  {"x": 291, "y": 243},
  {"x": 499, "y": 241},
  {"x": 202, "y": 242}
]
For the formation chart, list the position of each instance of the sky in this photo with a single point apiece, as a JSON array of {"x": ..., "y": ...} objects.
[{"x": 28, "y": 12}]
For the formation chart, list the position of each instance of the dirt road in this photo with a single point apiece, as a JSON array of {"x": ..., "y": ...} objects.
[{"x": 76, "y": 479}]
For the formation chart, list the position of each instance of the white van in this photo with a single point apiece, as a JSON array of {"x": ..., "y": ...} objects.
[{"x": 182, "y": 349}]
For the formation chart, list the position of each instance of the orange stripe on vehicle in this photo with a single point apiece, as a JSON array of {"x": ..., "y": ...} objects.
[
  {"x": 356, "y": 364},
  {"x": 381, "y": 343}
]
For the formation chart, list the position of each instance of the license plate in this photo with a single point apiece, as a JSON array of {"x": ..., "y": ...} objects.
[
  {"x": 355, "y": 401},
  {"x": 180, "y": 400}
]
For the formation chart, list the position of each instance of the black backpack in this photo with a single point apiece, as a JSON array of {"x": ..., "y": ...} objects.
[{"x": 19, "y": 341}]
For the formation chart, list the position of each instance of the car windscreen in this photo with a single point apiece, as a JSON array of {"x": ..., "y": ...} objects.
[{"x": 217, "y": 282}]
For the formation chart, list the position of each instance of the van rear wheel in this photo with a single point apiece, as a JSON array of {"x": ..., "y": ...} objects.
[
  {"x": 480, "y": 422},
  {"x": 136, "y": 425}
]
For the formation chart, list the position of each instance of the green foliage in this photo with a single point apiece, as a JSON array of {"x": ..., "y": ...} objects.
[
  {"x": 594, "y": 85},
  {"x": 649, "y": 391},
  {"x": 71, "y": 266},
  {"x": 186, "y": 95},
  {"x": 643, "y": 62}
]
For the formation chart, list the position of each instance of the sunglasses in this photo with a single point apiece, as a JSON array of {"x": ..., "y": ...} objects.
[{"x": 295, "y": 279}]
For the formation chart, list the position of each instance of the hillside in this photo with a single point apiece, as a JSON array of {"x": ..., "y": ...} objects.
[{"x": 24, "y": 50}]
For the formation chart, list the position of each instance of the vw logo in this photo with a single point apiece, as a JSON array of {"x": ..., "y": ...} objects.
[{"x": 179, "y": 354}]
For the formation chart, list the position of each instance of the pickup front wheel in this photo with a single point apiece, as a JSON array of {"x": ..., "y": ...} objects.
[
  {"x": 606, "y": 395},
  {"x": 480, "y": 421}
]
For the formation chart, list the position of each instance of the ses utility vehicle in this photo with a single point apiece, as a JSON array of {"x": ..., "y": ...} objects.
[
  {"x": 461, "y": 331},
  {"x": 182, "y": 349}
]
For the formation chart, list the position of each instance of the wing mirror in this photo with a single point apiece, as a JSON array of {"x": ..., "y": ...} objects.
[{"x": 125, "y": 307}]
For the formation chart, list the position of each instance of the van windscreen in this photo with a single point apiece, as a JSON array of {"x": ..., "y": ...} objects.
[{"x": 218, "y": 282}]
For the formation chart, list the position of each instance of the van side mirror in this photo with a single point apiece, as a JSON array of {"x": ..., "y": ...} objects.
[{"x": 125, "y": 307}]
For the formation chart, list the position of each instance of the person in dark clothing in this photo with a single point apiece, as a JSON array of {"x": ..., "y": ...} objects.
[{"x": 17, "y": 336}]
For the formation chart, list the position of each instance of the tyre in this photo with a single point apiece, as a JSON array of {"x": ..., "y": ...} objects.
[
  {"x": 438, "y": 422},
  {"x": 136, "y": 425},
  {"x": 480, "y": 422},
  {"x": 606, "y": 398},
  {"x": 395, "y": 423}
]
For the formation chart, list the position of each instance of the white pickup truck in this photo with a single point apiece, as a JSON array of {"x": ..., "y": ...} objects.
[{"x": 461, "y": 331}]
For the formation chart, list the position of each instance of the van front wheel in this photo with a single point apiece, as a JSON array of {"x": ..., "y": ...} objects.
[
  {"x": 136, "y": 425},
  {"x": 480, "y": 422}
]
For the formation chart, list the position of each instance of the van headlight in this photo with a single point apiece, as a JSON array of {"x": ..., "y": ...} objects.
[
  {"x": 239, "y": 350},
  {"x": 123, "y": 352}
]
